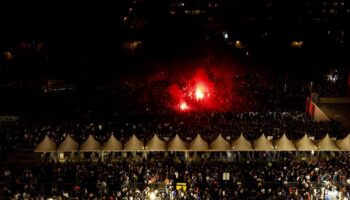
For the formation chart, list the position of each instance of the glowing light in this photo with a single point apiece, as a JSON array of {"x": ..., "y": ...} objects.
[
  {"x": 238, "y": 44},
  {"x": 152, "y": 196},
  {"x": 184, "y": 106},
  {"x": 199, "y": 93},
  {"x": 297, "y": 44},
  {"x": 226, "y": 36}
]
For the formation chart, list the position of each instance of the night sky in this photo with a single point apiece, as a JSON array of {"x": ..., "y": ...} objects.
[{"x": 89, "y": 36}]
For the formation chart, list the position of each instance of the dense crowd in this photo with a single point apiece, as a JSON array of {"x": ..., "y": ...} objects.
[
  {"x": 266, "y": 106},
  {"x": 187, "y": 125},
  {"x": 242, "y": 93},
  {"x": 137, "y": 178}
]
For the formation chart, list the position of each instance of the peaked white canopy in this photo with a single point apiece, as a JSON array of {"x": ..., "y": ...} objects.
[
  {"x": 344, "y": 144},
  {"x": 155, "y": 144},
  {"x": 326, "y": 144},
  {"x": 241, "y": 144},
  {"x": 198, "y": 144},
  {"x": 284, "y": 144},
  {"x": 262, "y": 144},
  {"x": 220, "y": 144},
  {"x": 305, "y": 144},
  {"x": 112, "y": 144},
  {"x": 46, "y": 145},
  {"x": 177, "y": 144},
  {"x": 133, "y": 144},
  {"x": 69, "y": 144},
  {"x": 91, "y": 144}
]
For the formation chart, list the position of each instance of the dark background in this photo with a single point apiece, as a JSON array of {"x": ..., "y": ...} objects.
[{"x": 79, "y": 40}]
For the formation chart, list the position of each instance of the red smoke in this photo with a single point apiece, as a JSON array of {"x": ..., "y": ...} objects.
[
  {"x": 197, "y": 92},
  {"x": 175, "y": 92},
  {"x": 206, "y": 89}
]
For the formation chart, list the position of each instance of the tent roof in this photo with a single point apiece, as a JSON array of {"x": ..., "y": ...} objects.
[
  {"x": 326, "y": 144},
  {"x": 344, "y": 144},
  {"x": 262, "y": 144},
  {"x": 46, "y": 145},
  {"x": 198, "y": 144},
  {"x": 284, "y": 144},
  {"x": 220, "y": 144},
  {"x": 155, "y": 144},
  {"x": 305, "y": 144},
  {"x": 91, "y": 144},
  {"x": 69, "y": 144},
  {"x": 177, "y": 144},
  {"x": 133, "y": 144},
  {"x": 112, "y": 144},
  {"x": 242, "y": 144}
]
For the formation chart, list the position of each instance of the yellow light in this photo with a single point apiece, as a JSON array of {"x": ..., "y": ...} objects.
[
  {"x": 199, "y": 93},
  {"x": 152, "y": 196},
  {"x": 297, "y": 44},
  {"x": 183, "y": 106},
  {"x": 238, "y": 44}
]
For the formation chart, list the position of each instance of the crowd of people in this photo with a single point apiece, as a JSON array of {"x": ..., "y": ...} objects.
[
  {"x": 202, "y": 178},
  {"x": 187, "y": 125},
  {"x": 257, "y": 106},
  {"x": 240, "y": 93}
]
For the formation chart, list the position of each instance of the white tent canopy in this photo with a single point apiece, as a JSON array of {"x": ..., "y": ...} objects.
[
  {"x": 91, "y": 144},
  {"x": 220, "y": 144},
  {"x": 112, "y": 144},
  {"x": 198, "y": 144},
  {"x": 305, "y": 144},
  {"x": 177, "y": 144},
  {"x": 133, "y": 144},
  {"x": 46, "y": 145},
  {"x": 344, "y": 144},
  {"x": 284, "y": 144},
  {"x": 155, "y": 144},
  {"x": 262, "y": 144},
  {"x": 241, "y": 144},
  {"x": 68, "y": 145},
  {"x": 326, "y": 144}
]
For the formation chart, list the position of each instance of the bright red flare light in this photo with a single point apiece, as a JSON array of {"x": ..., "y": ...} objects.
[
  {"x": 184, "y": 106},
  {"x": 199, "y": 93}
]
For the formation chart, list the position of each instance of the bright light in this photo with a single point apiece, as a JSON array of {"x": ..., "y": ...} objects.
[
  {"x": 332, "y": 77},
  {"x": 297, "y": 44},
  {"x": 225, "y": 34},
  {"x": 199, "y": 93},
  {"x": 183, "y": 106},
  {"x": 152, "y": 196},
  {"x": 238, "y": 44}
]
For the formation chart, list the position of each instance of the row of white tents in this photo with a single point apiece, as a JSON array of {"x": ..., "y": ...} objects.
[{"x": 198, "y": 144}]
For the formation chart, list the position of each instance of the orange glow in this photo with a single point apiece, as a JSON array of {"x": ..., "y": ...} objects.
[
  {"x": 183, "y": 106},
  {"x": 199, "y": 93}
]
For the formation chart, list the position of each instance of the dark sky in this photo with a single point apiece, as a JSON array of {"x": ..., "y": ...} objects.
[{"x": 91, "y": 33}]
